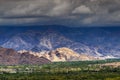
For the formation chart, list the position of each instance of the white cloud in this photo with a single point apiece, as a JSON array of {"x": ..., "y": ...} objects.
[{"x": 82, "y": 10}]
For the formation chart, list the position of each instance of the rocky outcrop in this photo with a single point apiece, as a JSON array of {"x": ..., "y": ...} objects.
[
  {"x": 66, "y": 54},
  {"x": 12, "y": 57},
  {"x": 26, "y": 58}
]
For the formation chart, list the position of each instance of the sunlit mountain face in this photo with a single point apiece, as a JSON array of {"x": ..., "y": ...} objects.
[{"x": 93, "y": 41}]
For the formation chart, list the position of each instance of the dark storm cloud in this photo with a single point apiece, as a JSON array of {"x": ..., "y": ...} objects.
[{"x": 65, "y": 12}]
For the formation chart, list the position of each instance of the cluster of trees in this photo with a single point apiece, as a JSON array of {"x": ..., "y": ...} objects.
[{"x": 76, "y": 75}]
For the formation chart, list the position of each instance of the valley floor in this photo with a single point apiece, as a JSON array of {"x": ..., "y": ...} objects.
[{"x": 80, "y": 70}]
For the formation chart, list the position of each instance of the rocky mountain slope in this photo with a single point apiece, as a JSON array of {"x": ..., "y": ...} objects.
[
  {"x": 61, "y": 54},
  {"x": 46, "y": 41},
  {"x": 97, "y": 42},
  {"x": 66, "y": 54},
  {"x": 12, "y": 57}
]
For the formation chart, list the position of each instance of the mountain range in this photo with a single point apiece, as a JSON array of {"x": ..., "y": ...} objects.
[{"x": 97, "y": 42}]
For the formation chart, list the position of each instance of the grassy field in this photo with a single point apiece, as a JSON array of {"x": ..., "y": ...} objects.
[{"x": 79, "y": 70}]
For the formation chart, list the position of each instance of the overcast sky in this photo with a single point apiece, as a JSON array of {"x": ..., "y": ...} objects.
[{"x": 60, "y": 12}]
